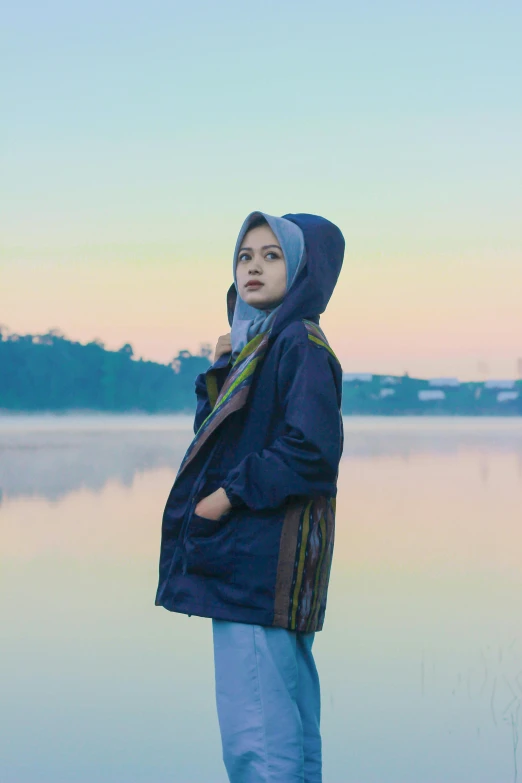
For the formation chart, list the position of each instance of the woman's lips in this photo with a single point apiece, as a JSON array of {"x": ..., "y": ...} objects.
[{"x": 254, "y": 285}]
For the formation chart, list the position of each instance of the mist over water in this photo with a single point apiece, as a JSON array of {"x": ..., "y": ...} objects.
[{"x": 421, "y": 654}]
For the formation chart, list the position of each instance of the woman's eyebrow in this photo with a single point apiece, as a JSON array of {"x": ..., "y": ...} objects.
[{"x": 265, "y": 247}]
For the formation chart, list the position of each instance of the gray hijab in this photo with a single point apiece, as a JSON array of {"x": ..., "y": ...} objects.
[{"x": 250, "y": 321}]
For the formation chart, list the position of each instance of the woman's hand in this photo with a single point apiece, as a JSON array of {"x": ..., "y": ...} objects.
[
  {"x": 224, "y": 345},
  {"x": 214, "y": 505}
]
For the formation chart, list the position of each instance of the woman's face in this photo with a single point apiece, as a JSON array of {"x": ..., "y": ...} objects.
[{"x": 260, "y": 259}]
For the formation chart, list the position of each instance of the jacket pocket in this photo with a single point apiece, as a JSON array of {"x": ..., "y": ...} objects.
[{"x": 210, "y": 546}]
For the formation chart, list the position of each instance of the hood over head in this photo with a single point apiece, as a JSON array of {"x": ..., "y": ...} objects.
[{"x": 313, "y": 267}]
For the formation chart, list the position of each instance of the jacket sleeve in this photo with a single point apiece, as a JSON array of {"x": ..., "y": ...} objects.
[{"x": 304, "y": 459}]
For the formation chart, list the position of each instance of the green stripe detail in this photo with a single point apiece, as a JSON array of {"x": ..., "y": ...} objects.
[
  {"x": 249, "y": 369},
  {"x": 216, "y": 403},
  {"x": 249, "y": 347},
  {"x": 211, "y": 380},
  {"x": 212, "y": 388},
  {"x": 321, "y": 342}
]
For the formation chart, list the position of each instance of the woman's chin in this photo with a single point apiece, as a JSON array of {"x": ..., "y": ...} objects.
[
  {"x": 257, "y": 301},
  {"x": 265, "y": 306}
]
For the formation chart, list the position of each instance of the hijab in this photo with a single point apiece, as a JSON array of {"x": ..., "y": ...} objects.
[{"x": 250, "y": 321}]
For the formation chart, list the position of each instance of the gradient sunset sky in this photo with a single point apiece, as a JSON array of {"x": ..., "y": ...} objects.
[{"x": 137, "y": 136}]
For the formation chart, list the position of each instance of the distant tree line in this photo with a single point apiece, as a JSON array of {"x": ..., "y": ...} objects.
[
  {"x": 380, "y": 395},
  {"x": 48, "y": 372}
]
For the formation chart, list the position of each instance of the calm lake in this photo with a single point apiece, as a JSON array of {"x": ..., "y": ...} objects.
[{"x": 420, "y": 657}]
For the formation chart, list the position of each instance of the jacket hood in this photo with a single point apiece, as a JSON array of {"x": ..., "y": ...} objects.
[{"x": 315, "y": 283}]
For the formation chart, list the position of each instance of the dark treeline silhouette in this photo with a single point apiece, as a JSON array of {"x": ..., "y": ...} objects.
[{"x": 48, "y": 372}]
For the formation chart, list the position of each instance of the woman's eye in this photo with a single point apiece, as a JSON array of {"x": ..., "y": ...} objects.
[
  {"x": 274, "y": 255},
  {"x": 243, "y": 256}
]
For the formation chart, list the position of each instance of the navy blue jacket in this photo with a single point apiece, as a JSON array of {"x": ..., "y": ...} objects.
[{"x": 269, "y": 431}]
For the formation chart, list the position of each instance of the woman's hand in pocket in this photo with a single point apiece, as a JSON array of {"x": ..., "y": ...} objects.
[{"x": 214, "y": 505}]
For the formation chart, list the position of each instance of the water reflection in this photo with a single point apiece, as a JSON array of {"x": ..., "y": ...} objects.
[
  {"x": 51, "y": 456},
  {"x": 420, "y": 659}
]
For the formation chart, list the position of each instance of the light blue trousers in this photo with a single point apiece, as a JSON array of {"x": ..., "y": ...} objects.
[{"x": 268, "y": 704}]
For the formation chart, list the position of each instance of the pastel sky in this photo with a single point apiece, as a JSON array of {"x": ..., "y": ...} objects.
[{"x": 137, "y": 136}]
